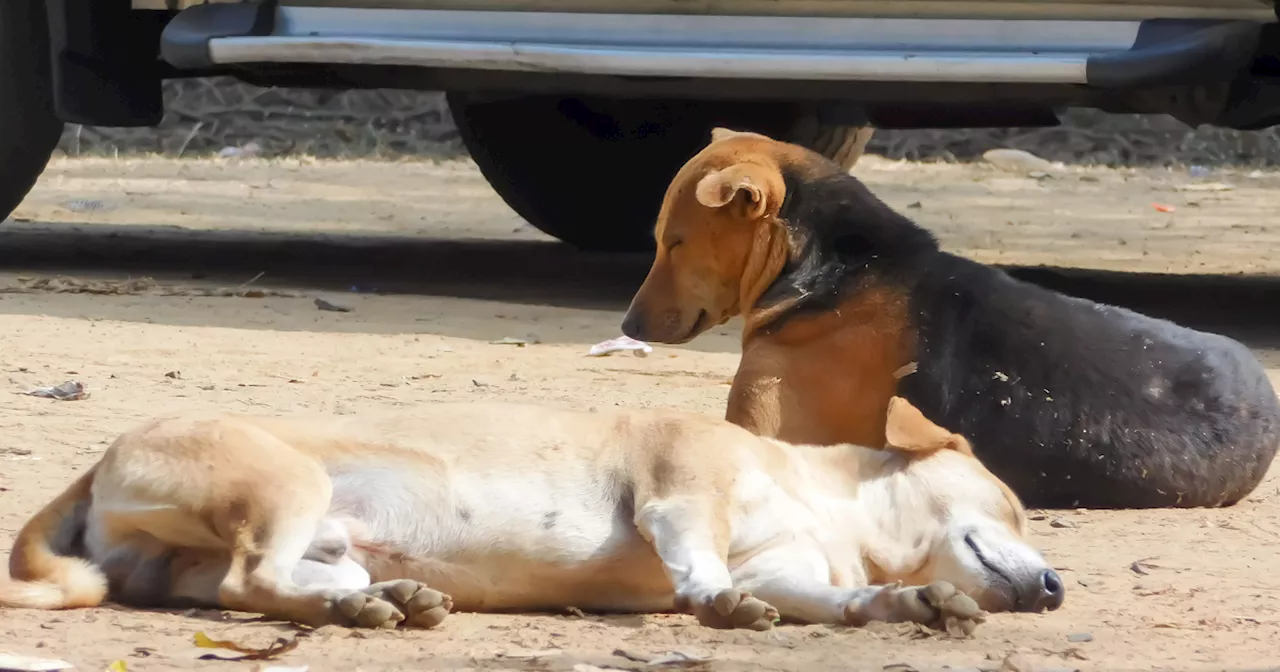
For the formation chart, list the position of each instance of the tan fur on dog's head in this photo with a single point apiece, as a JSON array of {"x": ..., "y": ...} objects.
[
  {"x": 720, "y": 242},
  {"x": 970, "y": 527},
  {"x": 908, "y": 430}
]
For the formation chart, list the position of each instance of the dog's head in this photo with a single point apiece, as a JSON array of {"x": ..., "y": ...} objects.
[
  {"x": 957, "y": 522},
  {"x": 720, "y": 242}
]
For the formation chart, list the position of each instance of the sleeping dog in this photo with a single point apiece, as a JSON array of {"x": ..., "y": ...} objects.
[
  {"x": 847, "y": 303},
  {"x": 395, "y": 521}
]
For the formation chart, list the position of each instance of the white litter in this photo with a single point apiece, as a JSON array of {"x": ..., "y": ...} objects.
[
  {"x": 1018, "y": 161},
  {"x": 72, "y": 390},
  {"x": 248, "y": 150},
  {"x": 85, "y": 205},
  {"x": 1205, "y": 186},
  {"x": 13, "y": 661},
  {"x": 620, "y": 344}
]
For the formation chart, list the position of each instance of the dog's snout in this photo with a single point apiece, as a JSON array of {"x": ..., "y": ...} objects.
[
  {"x": 633, "y": 325},
  {"x": 1051, "y": 592}
]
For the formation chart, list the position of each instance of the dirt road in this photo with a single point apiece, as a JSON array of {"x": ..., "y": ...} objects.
[{"x": 434, "y": 269}]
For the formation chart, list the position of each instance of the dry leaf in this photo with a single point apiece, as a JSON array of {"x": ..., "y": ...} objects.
[
  {"x": 278, "y": 647},
  {"x": 331, "y": 307}
]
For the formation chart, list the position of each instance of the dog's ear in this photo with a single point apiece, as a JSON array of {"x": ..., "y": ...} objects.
[
  {"x": 907, "y": 429},
  {"x": 760, "y": 187},
  {"x": 721, "y": 133}
]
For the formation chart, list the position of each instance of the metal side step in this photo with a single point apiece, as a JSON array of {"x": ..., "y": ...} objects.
[{"x": 1098, "y": 53}]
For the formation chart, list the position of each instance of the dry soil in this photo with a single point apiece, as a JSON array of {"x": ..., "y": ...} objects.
[{"x": 166, "y": 285}]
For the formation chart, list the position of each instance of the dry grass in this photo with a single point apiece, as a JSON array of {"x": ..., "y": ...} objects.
[{"x": 207, "y": 115}]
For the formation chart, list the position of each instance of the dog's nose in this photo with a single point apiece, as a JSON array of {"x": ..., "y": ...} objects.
[
  {"x": 1051, "y": 592},
  {"x": 633, "y": 325}
]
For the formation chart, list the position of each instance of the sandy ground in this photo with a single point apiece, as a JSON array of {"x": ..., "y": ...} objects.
[{"x": 434, "y": 268}]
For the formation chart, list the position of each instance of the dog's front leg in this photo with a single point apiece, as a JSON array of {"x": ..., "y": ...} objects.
[
  {"x": 692, "y": 543},
  {"x": 938, "y": 605},
  {"x": 796, "y": 580}
]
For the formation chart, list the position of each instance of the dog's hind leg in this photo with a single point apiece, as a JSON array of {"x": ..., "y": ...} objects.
[
  {"x": 265, "y": 504},
  {"x": 268, "y": 546}
]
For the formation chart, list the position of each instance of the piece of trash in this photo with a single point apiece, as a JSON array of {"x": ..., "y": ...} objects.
[
  {"x": 1198, "y": 171},
  {"x": 118, "y": 666},
  {"x": 278, "y": 647},
  {"x": 331, "y": 307},
  {"x": 1206, "y": 186},
  {"x": 72, "y": 390},
  {"x": 529, "y": 655},
  {"x": 247, "y": 150},
  {"x": 1256, "y": 174},
  {"x": 84, "y": 205},
  {"x": 679, "y": 658},
  {"x": 1018, "y": 161},
  {"x": 672, "y": 658},
  {"x": 519, "y": 342},
  {"x": 1080, "y": 637},
  {"x": 13, "y": 661},
  {"x": 1161, "y": 207},
  {"x": 620, "y": 344},
  {"x": 1140, "y": 566}
]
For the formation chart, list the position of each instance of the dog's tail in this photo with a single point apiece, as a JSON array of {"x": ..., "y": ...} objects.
[{"x": 42, "y": 577}]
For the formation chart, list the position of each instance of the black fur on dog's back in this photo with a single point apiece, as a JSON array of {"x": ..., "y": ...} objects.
[{"x": 1070, "y": 402}]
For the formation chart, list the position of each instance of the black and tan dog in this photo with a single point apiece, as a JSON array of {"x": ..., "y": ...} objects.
[{"x": 846, "y": 303}]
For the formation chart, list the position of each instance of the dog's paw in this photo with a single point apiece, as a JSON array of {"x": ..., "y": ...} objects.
[
  {"x": 940, "y": 606},
  {"x": 420, "y": 606},
  {"x": 362, "y": 610},
  {"x": 736, "y": 609}
]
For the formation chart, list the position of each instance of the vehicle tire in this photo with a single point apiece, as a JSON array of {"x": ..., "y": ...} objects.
[
  {"x": 592, "y": 171},
  {"x": 29, "y": 129}
]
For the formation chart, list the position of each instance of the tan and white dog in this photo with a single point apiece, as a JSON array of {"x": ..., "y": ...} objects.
[{"x": 348, "y": 520}]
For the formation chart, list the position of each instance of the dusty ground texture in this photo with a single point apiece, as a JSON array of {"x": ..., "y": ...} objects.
[{"x": 434, "y": 268}]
